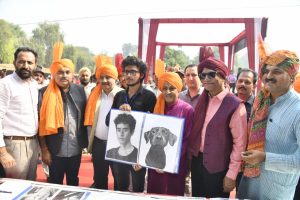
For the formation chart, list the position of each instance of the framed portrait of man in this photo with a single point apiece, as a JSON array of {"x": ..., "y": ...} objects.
[
  {"x": 124, "y": 136},
  {"x": 151, "y": 140}
]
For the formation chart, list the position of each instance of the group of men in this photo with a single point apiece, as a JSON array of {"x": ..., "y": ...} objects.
[{"x": 219, "y": 141}]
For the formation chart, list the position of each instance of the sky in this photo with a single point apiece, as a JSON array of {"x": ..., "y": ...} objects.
[{"x": 104, "y": 26}]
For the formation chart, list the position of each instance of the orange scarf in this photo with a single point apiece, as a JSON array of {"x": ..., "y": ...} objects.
[
  {"x": 173, "y": 79},
  {"x": 52, "y": 112},
  {"x": 104, "y": 66}
]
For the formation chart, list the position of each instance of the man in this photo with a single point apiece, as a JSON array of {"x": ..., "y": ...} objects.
[
  {"x": 168, "y": 103},
  {"x": 218, "y": 135},
  {"x": 135, "y": 97},
  {"x": 232, "y": 80},
  {"x": 181, "y": 75},
  {"x": 192, "y": 94},
  {"x": 245, "y": 86},
  {"x": 97, "y": 108},
  {"x": 297, "y": 89},
  {"x": 39, "y": 76},
  {"x": 85, "y": 80},
  {"x": 2, "y": 73},
  {"x": 273, "y": 152},
  {"x": 62, "y": 135},
  {"x": 19, "y": 118}
]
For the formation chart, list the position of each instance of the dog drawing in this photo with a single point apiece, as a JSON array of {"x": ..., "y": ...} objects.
[{"x": 159, "y": 137}]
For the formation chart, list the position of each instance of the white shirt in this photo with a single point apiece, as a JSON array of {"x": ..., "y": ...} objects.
[
  {"x": 18, "y": 107},
  {"x": 105, "y": 106},
  {"x": 88, "y": 88}
]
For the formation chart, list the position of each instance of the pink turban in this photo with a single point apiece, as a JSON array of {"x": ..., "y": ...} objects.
[{"x": 214, "y": 64}]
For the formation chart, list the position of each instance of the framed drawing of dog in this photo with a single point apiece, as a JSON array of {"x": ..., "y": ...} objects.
[
  {"x": 160, "y": 144},
  {"x": 151, "y": 140}
]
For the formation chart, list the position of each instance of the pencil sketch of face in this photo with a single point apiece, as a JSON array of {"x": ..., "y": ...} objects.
[
  {"x": 123, "y": 133},
  {"x": 125, "y": 125}
]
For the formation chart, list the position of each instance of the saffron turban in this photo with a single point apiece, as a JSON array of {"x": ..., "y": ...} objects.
[
  {"x": 103, "y": 67},
  {"x": 297, "y": 83},
  {"x": 108, "y": 70},
  {"x": 214, "y": 64},
  {"x": 284, "y": 59},
  {"x": 173, "y": 79},
  {"x": 52, "y": 113}
]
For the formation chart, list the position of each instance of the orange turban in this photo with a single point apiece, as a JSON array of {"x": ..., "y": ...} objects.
[
  {"x": 52, "y": 113},
  {"x": 173, "y": 79},
  {"x": 103, "y": 66},
  {"x": 159, "y": 67},
  {"x": 297, "y": 83}
]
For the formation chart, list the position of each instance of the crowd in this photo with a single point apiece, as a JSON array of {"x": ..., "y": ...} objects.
[{"x": 244, "y": 141}]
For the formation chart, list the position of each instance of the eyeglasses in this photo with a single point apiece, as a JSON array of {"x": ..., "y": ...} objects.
[
  {"x": 131, "y": 72},
  {"x": 209, "y": 75}
]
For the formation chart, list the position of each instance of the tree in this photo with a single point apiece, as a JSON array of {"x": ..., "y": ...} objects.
[
  {"x": 84, "y": 58},
  {"x": 11, "y": 36},
  {"x": 129, "y": 49},
  {"x": 44, "y": 38},
  {"x": 173, "y": 57}
]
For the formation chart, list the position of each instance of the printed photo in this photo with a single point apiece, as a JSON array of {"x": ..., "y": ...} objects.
[
  {"x": 160, "y": 145},
  {"x": 124, "y": 136},
  {"x": 40, "y": 193},
  {"x": 69, "y": 195}
]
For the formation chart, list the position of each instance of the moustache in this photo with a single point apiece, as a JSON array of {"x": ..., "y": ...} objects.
[
  {"x": 271, "y": 80},
  {"x": 242, "y": 87},
  {"x": 24, "y": 70}
]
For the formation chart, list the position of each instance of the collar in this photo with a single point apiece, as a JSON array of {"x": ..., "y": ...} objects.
[
  {"x": 187, "y": 91},
  {"x": 17, "y": 78},
  {"x": 139, "y": 91},
  {"x": 250, "y": 99},
  {"x": 221, "y": 95},
  {"x": 114, "y": 91},
  {"x": 283, "y": 97}
]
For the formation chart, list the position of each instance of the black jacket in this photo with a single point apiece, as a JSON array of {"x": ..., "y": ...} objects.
[{"x": 79, "y": 98}]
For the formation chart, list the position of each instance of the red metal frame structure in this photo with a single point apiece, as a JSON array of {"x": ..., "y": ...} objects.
[{"x": 148, "y": 43}]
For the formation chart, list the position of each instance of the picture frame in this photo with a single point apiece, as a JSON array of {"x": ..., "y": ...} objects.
[{"x": 156, "y": 140}]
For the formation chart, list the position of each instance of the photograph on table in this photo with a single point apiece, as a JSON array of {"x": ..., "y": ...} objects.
[
  {"x": 40, "y": 193},
  {"x": 70, "y": 195}
]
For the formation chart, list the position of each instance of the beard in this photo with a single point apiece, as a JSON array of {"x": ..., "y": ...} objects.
[
  {"x": 23, "y": 73},
  {"x": 133, "y": 84},
  {"x": 84, "y": 82}
]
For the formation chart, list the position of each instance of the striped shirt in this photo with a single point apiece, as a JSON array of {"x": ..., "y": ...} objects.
[{"x": 281, "y": 170}]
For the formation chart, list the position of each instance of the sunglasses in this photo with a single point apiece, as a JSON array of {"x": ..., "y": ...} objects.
[{"x": 209, "y": 75}]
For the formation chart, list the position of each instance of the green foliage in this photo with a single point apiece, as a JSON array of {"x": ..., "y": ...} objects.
[
  {"x": 43, "y": 38},
  {"x": 11, "y": 36},
  {"x": 173, "y": 57},
  {"x": 84, "y": 58}
]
